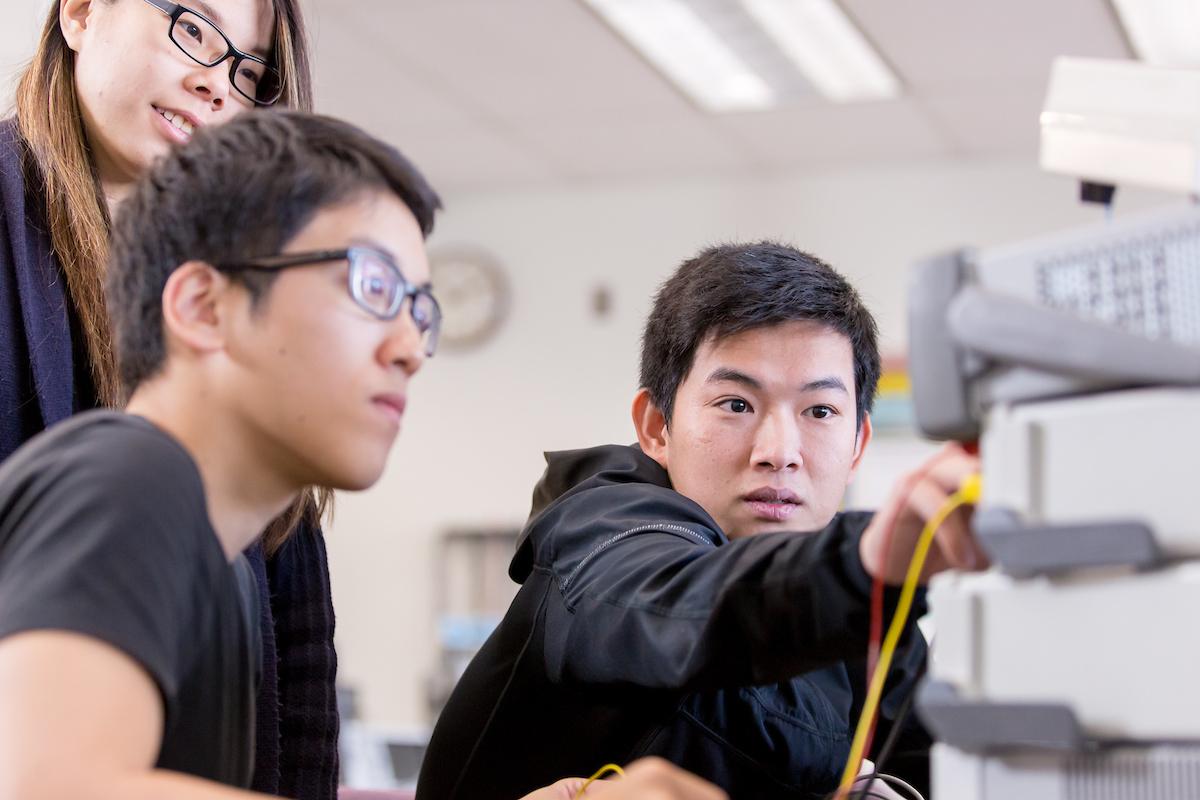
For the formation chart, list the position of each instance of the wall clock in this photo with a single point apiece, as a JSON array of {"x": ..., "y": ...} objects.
[{"x": 474, "y": 293}]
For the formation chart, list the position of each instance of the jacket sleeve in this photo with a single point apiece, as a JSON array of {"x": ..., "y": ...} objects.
[{"x": 666, "y": 607}]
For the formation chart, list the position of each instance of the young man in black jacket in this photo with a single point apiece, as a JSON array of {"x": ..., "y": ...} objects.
[{"x": 668, "y": 606}]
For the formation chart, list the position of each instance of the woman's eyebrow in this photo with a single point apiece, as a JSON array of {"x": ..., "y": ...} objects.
[{"x": 215, "y": 17}]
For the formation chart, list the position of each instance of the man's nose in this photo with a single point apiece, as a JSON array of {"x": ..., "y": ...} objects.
[
  {"x": 777, "y": 442},
  {"x": 405, "y": 344}
]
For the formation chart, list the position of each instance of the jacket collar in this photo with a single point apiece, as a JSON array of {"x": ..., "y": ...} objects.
[{"x": 569, "y": 481}]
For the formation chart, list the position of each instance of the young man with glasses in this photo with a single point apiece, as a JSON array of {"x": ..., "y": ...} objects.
[
  {"x": 668, "y": 606},
  {"x": 269, "y": 291}
]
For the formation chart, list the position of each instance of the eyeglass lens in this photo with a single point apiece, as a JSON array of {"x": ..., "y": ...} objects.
[
  {"x": 207, "y": 45},
  {"x": 380, "y": 288}
]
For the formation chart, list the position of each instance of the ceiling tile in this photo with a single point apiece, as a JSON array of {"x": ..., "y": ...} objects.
[
  {"x": 640, "y": 146},
  {"x": 991, "y": 121},
  {"x": 939, "y": 42},
  {"x": 470, "y": 158},
  {"x": 518, "y": 59},
  {"x": 823, "y": 134},
  {"x": 359, "y": 81}
]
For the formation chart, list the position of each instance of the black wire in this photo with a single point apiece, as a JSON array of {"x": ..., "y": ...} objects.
[
  {"x": 862, "y": 794},
  {"x": 889, "y": 744},
  {"x": 865, "y": 792}
]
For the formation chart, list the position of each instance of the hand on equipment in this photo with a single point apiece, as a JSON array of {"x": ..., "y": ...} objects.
[{"x": 888, "y": 543}]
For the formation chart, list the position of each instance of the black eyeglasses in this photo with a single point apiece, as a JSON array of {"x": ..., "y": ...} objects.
[
  {"x": 206, "y": 44},
  {"x": 375, "y": 283}
]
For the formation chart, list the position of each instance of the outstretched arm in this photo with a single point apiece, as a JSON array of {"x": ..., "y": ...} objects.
[{"x": 662, "y": 609}]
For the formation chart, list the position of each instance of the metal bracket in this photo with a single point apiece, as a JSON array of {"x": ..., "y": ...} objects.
[
  {"x": 1023, "y": 550},
  {"x": 984, "y": 727}
]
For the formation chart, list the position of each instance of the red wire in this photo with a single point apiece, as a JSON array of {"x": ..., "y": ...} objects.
[
  {"x": 876, "y": 632},
  {"x": 875, "y": 641}
]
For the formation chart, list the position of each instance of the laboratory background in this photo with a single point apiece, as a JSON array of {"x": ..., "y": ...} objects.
[{"x": 583, "y": 150}]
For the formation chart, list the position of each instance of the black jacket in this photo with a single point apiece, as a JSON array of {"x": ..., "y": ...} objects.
[{"x": 640, "y": 629}]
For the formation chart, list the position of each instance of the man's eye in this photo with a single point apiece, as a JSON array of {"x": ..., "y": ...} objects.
[
  {"x": 822, "y": 412},
  {"x": 193, "y": 31},
  {"x": 736, "y": 404}
]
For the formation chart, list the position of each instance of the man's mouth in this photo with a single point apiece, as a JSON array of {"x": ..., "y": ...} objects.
[
  {"x": 391, "y": 404},
  {"x": 772, "y": 505}
]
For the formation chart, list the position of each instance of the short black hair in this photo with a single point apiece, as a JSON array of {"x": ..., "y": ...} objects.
[
  {"x": 731, "y": 288},
  {"x": 238, "y": 191}
]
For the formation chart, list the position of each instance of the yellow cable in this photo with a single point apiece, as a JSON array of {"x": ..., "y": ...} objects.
[
  {"x": 600, "y": 773},
  {"x": 967, "y": 493}
]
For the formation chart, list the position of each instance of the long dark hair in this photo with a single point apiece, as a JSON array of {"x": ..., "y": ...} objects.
[{"x": 49, "y": 118}]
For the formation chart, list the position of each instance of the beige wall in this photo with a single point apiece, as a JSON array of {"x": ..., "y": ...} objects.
[{"x": 20, "y": 23}]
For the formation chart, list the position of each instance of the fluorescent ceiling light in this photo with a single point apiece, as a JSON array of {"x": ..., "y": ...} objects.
[
  {"x": 1163, "y": 32},
  {"x": 673, "y": 38},
  {"x": 818, "y": 37}
]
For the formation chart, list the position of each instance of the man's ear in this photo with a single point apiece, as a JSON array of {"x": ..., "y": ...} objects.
[
  {"x": 861, "y": 440},
  {"x": 651, "y": 427},
  {"x": 192, "y": 307},
  {"x": 73, "y": 19}
]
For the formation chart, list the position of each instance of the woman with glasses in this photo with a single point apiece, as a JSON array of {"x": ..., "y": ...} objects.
[{"x": 114, "y": 85}]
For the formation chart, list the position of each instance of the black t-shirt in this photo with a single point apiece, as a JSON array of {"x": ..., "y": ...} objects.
[{"x": 104, "y": 531}]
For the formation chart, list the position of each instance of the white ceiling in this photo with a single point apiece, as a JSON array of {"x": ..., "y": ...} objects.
[
  {"x": 490, "y": 93},
  {"x": 497, "y": 93}
]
